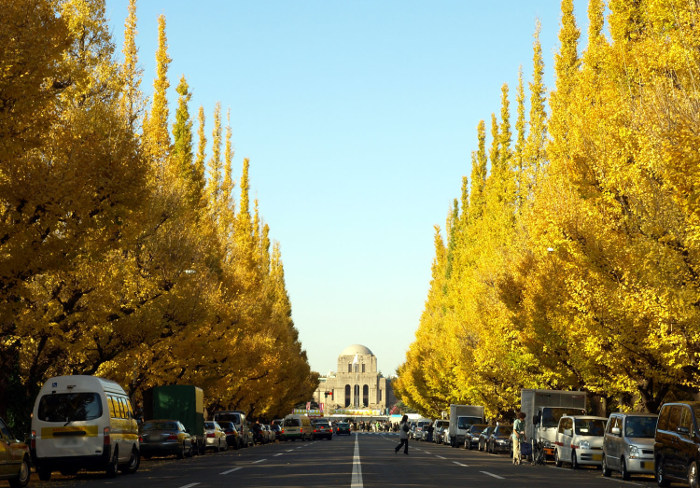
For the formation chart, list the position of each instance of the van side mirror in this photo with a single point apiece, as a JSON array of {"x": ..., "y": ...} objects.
[
  {"x": 615, "y": 431},
  {"x": 535, "y": 419}
]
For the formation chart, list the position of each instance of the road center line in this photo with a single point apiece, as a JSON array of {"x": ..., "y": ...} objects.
[
  {"x": 492, "y": 475},
  {"x": 440, "y": 457},
  {"x": 356, "y": 481},
  {"x": 225, "y": 472},
  {"x": 279, "y": 454},
  {"x": 190, "y": 485},
  {"x": 460, "y": 464},
  {"x": 258, "y": 461}
]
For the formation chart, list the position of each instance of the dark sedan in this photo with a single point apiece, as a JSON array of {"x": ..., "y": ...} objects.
[
  {"x": 343, "y": 428},
  {"x": 163, "y": 438},
  {"x": 471, "y": 438},
  {"x": 14, "y": 458},
  {"x": 500, "y": 439}
]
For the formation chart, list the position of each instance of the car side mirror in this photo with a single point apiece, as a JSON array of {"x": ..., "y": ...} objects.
[
  {"x": 535, "y": 420},
  {"x": 615, "y": 431}
]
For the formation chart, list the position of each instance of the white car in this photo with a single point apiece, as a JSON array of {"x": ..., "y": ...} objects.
[
  {"x": 215, "y": 436},
  {"x": 579, "y": 440}
]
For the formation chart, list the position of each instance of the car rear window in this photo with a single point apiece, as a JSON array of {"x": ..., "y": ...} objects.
[
  {"x": 292, "y": 423},
  {"x": 159, "y": 426},
  {"x": 69, "y": 407}
]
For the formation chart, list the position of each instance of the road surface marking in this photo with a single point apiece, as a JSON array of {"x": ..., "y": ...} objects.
[
  {"x": 356, "y": 481},
  {"x": 460, "y": 464},
  {"x": 190, "y": 485},
  {"x": 258, "y": 461},
  {"x": 439, "y": 457},
  {"x": 289, "y": 450},
  {"x": 279, "y": 454},
  {"x": 225, "y": 472},
  {"x": 492, "y": 475}
]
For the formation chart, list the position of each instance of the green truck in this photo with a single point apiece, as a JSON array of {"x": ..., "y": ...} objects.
[{"x": 178, "y": 402}]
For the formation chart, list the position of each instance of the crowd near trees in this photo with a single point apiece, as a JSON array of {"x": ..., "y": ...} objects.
[
  {"x": 572, "y": 259},
  {"x": 123, "y": 250}
]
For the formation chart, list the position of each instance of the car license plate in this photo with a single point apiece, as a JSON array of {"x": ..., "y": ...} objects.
[
  {"x": 647, "y": 464},
  {"x": 597, "y": 457}
]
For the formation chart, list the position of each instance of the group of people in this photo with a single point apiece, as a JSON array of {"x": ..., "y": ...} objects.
[{"x": 518, "y": 436}]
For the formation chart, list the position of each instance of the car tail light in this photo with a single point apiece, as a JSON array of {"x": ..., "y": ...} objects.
[
  {"x": 172, "y": 437},
  {"x": 210, "y": 435},
  {"x": 107, "y": 440},
  {"x": 281, "y": 431},
  {"x": 33, "y": 440}
]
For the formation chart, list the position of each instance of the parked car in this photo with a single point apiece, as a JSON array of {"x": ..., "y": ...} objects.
[
  {"x": 233, "y": 437},
  {"x": 276, "y": 430},
  {"x": 343, "y": 428},
  {"x": 579, "y": 440},
  {"x": 438, "y": 428},
  {"x": 421, "y": 432},
  {"x": 677, "y": 443},
  {"x": 500, "y": 439},
  {"x": 242, "y": 425},
  {"x": 14, "y": 458},
  {"x": 215, "y": 436},
  {"x": 484, "y": 437},
  {"x": 322, "y": 429},
  {"x": 471, "y": 437},
  {"x": 267, "y": 431},
  {"x": 628, "y": 446},
  {"x": 164, "y": 437}
]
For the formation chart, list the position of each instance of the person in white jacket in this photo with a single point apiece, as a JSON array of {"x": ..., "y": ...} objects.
[{"x": 403, "y": 435}]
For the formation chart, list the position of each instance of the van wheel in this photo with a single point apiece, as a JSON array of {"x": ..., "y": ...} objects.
[
  {"x": 113, "y": 466},
  {"x": 604, "y": 466},
  {"x": 22, "y": 478},
  {"x": 557, "y": 459},
  {"x": 134, "y": 462},
  {"x": 44, "y": 473},
  {"x": 574, "y": 462},
  {"x": 623, "y": 470},
  {"x": 660, "y": 473},
  {"x": 693, "y": 475}
]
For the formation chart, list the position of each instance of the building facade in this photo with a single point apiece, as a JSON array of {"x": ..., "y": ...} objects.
[{"x": 356, "y": 385}]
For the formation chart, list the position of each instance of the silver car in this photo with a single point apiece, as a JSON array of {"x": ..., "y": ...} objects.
[
  {"x": 579, "y": 440},
  {"x": 629, "y": 444}
]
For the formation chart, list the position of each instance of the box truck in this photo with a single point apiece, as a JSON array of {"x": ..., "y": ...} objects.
[
  {"x": 461, "y": 418},
  {"x": 543, "y": 409},
  {"x": 178, "y": 402}
]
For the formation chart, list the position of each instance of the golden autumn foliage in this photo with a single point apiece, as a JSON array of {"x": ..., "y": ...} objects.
[
  {"x": 586, "y": 276},
  {"x": 114, "y": 259}
]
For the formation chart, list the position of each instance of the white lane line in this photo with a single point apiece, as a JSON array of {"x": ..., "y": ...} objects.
[
  {"x": 190, "y": 485},
  {"x": 356, "y": 481},
  {"x": 258, "y": 461},
  {"x": 226, "y": 472},
  {"x": 289, "y": 450},
  {"x": 492, "y": 475},
  {"x": 440, "y": 457},
  {"x": 460, "y": 464},
  {"x": 279, "y": 454}
]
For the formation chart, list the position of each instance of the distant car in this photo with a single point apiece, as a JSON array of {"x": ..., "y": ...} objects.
[
  {"x": 322, "y": 428},
  {"x": 343, "y": 428},
  {"x": 215, "y": 436},
  {"x": 438, "y": 429},
  {"x": 277, "y": 430},
  {"x": 500, "y": 439},
  {"x": 484, "y": 437},
  {"x": 14, "y": 458},
  {"x": 164, "y": 437},
  {"x": 233, "y": 438},
  {"x": 471, "y": 438},
  {"x": 269, "y": 435},
  {"x": 579, "y": 440},
  {"x": 420, "y": 432}
]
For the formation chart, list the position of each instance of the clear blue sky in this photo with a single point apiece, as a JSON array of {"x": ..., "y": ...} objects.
[{"x": 359, "y": 118}]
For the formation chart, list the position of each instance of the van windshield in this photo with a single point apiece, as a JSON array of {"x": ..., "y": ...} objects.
[
  {"x": 69, "y": 407},
  {"x": 551, "y": 415},
  {"x": 229, "y": 417},
  {"x": 640, "y": 427},
  {"x": 591, "y": 427},
  {"x": 465, "y": 422},
  {"x": 292, "y": 423}
]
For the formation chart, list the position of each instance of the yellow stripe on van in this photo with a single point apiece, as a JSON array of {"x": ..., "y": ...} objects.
[{"x": 69, "y": 431}]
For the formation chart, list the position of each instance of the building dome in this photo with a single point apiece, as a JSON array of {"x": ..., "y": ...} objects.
[{"x": 356, "y": 349}]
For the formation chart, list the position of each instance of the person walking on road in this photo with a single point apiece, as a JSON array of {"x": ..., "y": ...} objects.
[
  {"x": 403, "y": 435},
  {"x": 518, "y": 437}
]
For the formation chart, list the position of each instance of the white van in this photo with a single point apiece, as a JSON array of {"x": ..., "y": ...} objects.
[
  {"x": 296, "y": 427},
  {"x": 83, "y": 422}
]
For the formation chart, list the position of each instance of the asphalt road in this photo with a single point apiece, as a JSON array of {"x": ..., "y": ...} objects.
[{"x": 356, "y": 461}]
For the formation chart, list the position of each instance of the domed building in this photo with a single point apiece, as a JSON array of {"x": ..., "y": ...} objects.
[{"x": 356, "y": 387}]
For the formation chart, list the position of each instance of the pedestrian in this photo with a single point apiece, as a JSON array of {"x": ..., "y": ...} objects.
[
  {"x": 518, "y": 437},
  {"x": 403, "y": 435}
]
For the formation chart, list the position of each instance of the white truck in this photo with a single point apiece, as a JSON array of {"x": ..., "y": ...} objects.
[
  {"x": 461, "y": 418},
  {"x": 543, "y": 409}
]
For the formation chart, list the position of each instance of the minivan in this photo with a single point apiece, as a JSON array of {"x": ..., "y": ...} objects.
[
  {"x": 239, "y": 420},
  {"x": 296, "y": 427},
  {"x": 628, "y": 446},
  {"x": 677, "y": 443},
  {"x": 579, "y": 440},
  {"x": 81, "y": 422}
]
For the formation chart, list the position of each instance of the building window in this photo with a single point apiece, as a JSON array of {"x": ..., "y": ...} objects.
[
  {"x": 349, "y": 367},
  {"x": 347, "y": 396},
  {"x": 356, "y": 365},
  {"x": 379, "y": 396},
  {"x": 356, "y": 398},
  {"x": 363, "y": 367},
  {"x": 365, "y": 396}
]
